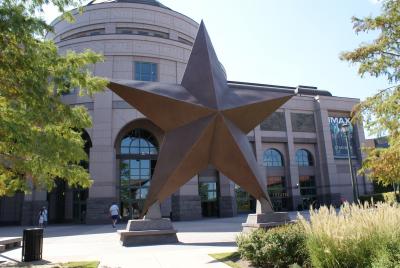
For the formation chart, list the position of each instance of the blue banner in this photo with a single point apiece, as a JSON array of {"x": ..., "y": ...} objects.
[{"x": 338, "y": 137}]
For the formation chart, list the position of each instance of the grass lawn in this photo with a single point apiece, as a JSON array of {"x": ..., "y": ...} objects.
[
  {"x": 81, "y": 264},
  {"x": 229, "y": 258}
]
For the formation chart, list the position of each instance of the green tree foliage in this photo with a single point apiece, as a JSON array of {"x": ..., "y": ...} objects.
[
  {"x": 381, "y": 112},
  {"x": 40, "y": 137}
]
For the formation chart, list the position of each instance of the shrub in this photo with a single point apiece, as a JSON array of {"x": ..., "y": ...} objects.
[
  {"x": 357, "y": 236},
  {"x": 277, "y": 247},
  {"x": 389, "y": 197}
]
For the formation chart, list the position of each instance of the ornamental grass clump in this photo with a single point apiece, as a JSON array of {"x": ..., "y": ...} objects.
[{"x": 356, "y": 236}]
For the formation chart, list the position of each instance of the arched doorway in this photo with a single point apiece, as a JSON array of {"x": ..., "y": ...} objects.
[
  {"x": 276, "y": 181},
  {"x": 307, "y": 183},
  {"x": 67, "y": 204},
  {"x": 137, "y": 154}
]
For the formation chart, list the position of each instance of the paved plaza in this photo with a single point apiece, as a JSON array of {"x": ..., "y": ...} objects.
[{"x": 63, "y": 243}]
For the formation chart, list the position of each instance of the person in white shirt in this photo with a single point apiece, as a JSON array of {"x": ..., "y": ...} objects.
[
  {"x": 45, "y": 215},
  {"x": 41, "y": 218},
  {"x": 114, "y": 213}
]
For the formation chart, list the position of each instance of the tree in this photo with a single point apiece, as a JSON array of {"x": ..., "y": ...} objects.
[
  {"x": 381, "y": 112},
  {"x": 40, "y": 137}
]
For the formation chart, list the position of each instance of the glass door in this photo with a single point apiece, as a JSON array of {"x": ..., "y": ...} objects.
[{"x": 209, "y": 199}]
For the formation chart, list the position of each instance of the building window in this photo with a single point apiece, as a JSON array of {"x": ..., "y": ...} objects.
[
  {"x": 208, "y": 191},
  {"x": 146, "y": 32},
  {"x": 85, "y": 34},
  {"x": 304, "y": 158},
  {"x": 138, "y": 157},
  {"x": 276, "y": 188},
  {"x": 274, "y": 122},
  {"x": 272, "y": 158},
  {"x": 276, "y": 184},
  {"x": 308, "y": 191},
  {"x": 145, "y": 71},
  {"x": 244, "y": 201},
  {"x": 184, "y": 41},
  {"x": 139, "y": 142}
]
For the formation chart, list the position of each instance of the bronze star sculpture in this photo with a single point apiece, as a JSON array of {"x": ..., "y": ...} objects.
[{"x": 205, "y": 122}]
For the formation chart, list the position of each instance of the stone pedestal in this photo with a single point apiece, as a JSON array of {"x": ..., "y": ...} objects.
[
  {"x": 151, "y": 230},
  {"x": 265, "y": 217},
  {"x": 265, "y": 220}
]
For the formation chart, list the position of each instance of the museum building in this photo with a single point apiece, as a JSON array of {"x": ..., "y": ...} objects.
[{"x": 300, "y": 147}]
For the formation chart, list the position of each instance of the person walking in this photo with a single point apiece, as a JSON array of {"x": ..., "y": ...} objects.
[
  {"x": 41, "y": 218},
  {"x": 45, "y": 216},
  {"x": 114, "y": 213}
]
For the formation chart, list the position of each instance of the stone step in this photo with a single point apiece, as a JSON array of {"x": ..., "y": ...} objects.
[
  {"x": 146, "y": 232},
  {"x": 9, "y": 243}
]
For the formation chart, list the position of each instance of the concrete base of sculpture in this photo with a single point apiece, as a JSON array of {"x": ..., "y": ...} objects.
[
  {"x": 265, "y": 220},
  {"x": 148, "y": 232},
  {"x": 151, "y": 230},
  {"x": 265, "y": 217}
]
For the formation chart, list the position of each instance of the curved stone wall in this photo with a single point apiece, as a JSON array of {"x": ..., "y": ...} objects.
[{"x": 124, "y": 33}]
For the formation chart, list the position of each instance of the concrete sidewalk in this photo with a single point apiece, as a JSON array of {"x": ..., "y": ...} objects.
[{"x": 101, "y": 242}]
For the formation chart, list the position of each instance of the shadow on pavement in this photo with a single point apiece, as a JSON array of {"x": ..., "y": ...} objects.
[{"x": 209, "y": 244}]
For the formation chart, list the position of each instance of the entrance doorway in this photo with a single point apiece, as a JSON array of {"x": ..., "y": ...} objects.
[
  {"x": 244, "y": 201},
  {"x": 68, "y": 204},
  {"x": 56, "y": 201},
  {"x": 11, "y": 209},
  {"x": 209, "y": 199},
  {"x": 137, "y": 159},
  {"x": 79, "y": 205}
]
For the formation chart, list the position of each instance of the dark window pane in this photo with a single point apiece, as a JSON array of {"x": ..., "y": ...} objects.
[
  {"x": 272, "y": 158},
  {"x": 274, "y": 122},
  {"x": 302, "y": 122},
  {"x": 145, "y": 71},
  {"x": 304, "y": 158}
]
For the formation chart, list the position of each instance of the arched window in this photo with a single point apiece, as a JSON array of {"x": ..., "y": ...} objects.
[
  {"x": 138, "y": 157},
  {"x": 272, "y": 158},
  {"x": 304, "y": 158},
  {"x": 139, "y": 141}
]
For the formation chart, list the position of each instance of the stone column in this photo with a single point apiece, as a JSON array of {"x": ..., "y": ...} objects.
[
  {"x": 102, "y": 162},
  {"x": 186, "y": 203},
  {"x": 327, "y": 161},
  {"x": 293, "y": 180},
  {"x": 69, "y": 205},
  {"x": 364, "y": 186},
  {"x": 227, "y": 198}
]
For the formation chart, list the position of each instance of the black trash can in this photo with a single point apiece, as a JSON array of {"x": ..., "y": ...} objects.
[{"x": 32, "y": 244}]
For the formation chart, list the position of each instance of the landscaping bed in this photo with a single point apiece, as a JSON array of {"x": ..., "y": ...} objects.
[{"x": 356, "y": 236}]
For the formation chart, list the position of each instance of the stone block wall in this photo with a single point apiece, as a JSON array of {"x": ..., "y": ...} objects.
[
  {"x": 186, "y": 207},
  {"x": 227, "y": 206},
  {"x": 97, "y": 210}
]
